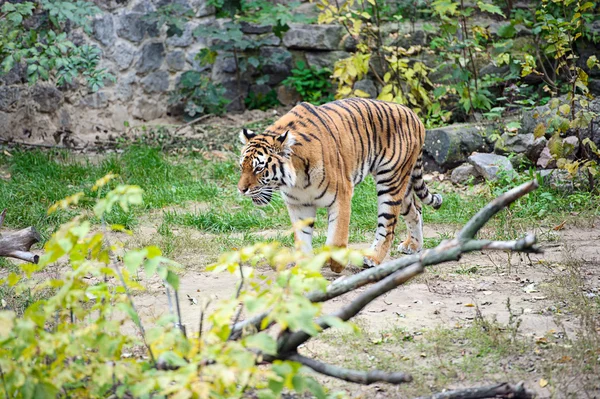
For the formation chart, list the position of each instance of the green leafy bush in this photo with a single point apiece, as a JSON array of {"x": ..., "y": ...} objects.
[
  {"x": 72, "y": 343},
  {"x": 199, "y": 95},
  {"x": 313, "y": 84},
  {"x": 33, "y": 34}
]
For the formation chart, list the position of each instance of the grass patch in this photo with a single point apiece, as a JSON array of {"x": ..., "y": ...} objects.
[{"x": 40, "y": 178}]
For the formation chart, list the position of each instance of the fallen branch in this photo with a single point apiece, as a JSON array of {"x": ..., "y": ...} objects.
[
  {"x": 192, "y": 122},
  {"x": 502, "y": 390},
  {"x": 359, "y": 377},
  {"x": 446, "y": 251},
  {"x": 17, "y": 245}
]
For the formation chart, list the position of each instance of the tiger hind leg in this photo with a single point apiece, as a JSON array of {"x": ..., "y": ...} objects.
[
  {"x": 412, "y": 214},
  {"x": 389, "y": 205}
]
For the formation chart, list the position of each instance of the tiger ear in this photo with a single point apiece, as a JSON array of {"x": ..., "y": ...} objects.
[
  {"x": 286, "y": 139},
  {"x": 246, "y": 135}
]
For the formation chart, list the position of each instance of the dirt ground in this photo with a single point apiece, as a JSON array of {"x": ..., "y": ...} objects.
[{"x": 446, "y": 296}]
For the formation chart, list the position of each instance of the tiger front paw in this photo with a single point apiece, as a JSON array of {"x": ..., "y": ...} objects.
[{"x": 336, "y": 267}]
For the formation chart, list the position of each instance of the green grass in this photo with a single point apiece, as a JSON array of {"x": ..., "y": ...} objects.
[{"x": 38, "y": 179}]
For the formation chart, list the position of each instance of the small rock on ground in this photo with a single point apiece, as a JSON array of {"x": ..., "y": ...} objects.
[{"x": 464, "y": 173}]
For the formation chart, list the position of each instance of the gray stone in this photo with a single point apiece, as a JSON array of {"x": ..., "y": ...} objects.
[
  {"x": 144, "y": 6},
  {"x": 48, "y": 98},
  {"x": 562, "y": 180},
  {"x": 464, "y": 173},
  {"x": 517, "y": 143},
  {"x": 248, "y": 27},
  {"x": 416, "y": 38},
  {"x": 367, "y": 86},
  {"x": 104, "y": 29},
  {"x": 448, "y": 147},
  {"x": 491, "y": 165},
  {"x": 156, "y": 82},
  {"x": 17, "y": 75},
  {"x": 267, "y": 39},
  {"x": 99, "y": 99},
  {"x": 147, "y": 110},
  {"x": 123, "y": 54},
  {"x": 534, "y": 152},
  {"x": 325, "y": 59},
  {"x": 124, "y": 90},
  {"x": 491, "y": 69},
  {"x": 9, "y": 97},
  {"x": 288, "y": 96},
  {"x": 152, "y": 57},
  {"x": 277, "y": 63},
  {"x": 202, "y": 8},
  {"x": 134, "y": 28},
  {"x": 176, "y": 60},
  {"x": 546, "y": 160},
  {"x": 313, "y": 37},
  {"x": 186, "y": 37},
  {"x": 191, "y": 59},
  {"x": 223, "y": 69}
]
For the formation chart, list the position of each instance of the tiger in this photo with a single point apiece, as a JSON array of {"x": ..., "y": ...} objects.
[{"x": 316, "y": 155}]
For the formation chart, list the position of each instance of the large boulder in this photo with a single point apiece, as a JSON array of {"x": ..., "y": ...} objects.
[
  {"x": 448, "y": 147},
  {"x": 313, "y": 37},
  {"x": 490, "y": 166},
  {"x": 324, "y": 59}
]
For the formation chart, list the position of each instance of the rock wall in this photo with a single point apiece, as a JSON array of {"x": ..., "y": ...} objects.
[{"x": 147, "y": 65}]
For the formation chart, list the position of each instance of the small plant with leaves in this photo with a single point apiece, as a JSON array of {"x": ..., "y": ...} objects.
[
  {"x": 400, "y": 77},
  {"x": 45, "y": 50},
  {"x": 199, "y": 95},
  {"x": 313, "y": 84}
]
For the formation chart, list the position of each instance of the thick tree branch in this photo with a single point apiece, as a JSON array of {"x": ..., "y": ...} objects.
[
  {"x": 502, "y": 390},
  {"x": 17, "y": 245},
  {"x": 375, "y": 274},
  {"x": 487, "y": 212},
  {"x": 359, "y": 377}
]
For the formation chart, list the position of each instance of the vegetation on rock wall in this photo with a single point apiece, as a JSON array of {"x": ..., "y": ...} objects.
[{"x": 34, "y": 35}]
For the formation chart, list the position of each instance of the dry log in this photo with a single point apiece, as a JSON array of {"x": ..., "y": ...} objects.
[
  {"x": 17, "y": 245},
  {"x": 502, "y": 390}
]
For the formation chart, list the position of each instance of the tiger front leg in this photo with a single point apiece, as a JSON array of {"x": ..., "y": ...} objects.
[
  {"x": 338, "y": 216},
  {"x": 303, "y": 236}
]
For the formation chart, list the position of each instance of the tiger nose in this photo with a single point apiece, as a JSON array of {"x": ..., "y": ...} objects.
[{"x": 242, "y": 189}]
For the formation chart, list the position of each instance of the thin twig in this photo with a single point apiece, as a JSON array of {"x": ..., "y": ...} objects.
[
  {"x": 4, "y": 383},
  {"x": 201, "y": 323},
  {"x": 127, "y": 293},
  {"x": 181, "y": 326},
  {"x": 237, "y": 296},
  {"x": 360, "y": 377}
]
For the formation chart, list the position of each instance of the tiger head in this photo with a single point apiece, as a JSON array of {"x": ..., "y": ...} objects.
[{"x": 265, "y": 165}]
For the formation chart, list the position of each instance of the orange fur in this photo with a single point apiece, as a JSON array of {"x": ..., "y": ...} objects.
[{"x": 316, "y": 155}]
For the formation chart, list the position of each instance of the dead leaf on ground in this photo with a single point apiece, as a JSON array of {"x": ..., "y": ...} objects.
[{"x": 560, "y": 226}]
